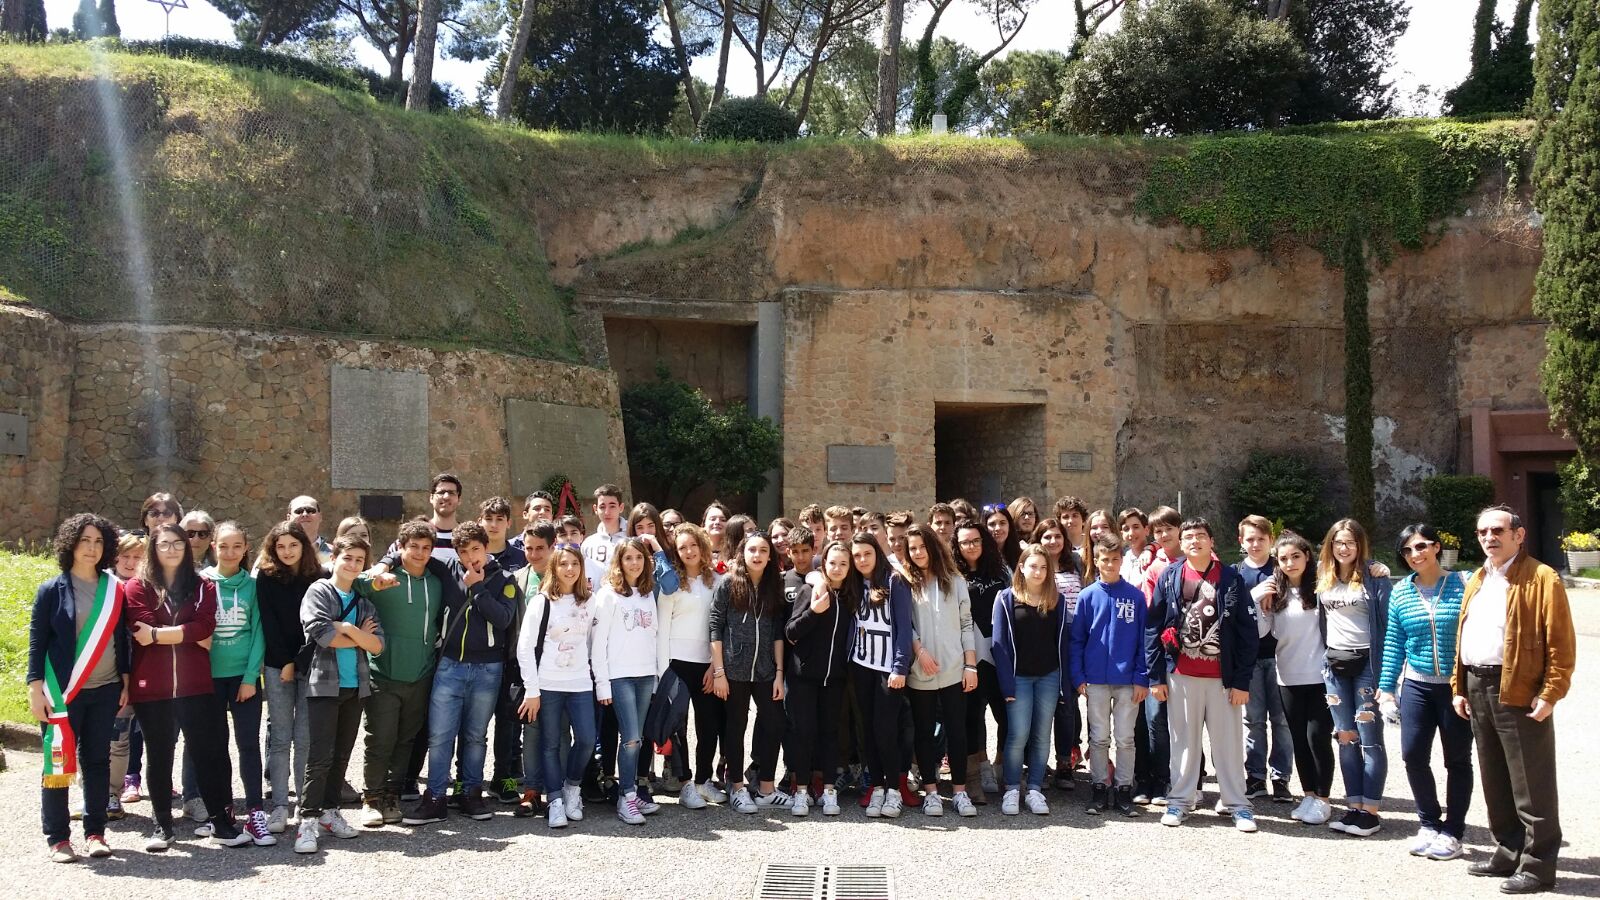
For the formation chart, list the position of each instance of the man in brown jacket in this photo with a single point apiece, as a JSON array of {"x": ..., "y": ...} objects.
[{"x": 1515, "y": 654}]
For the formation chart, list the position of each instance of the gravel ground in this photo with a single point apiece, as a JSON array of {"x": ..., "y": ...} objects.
[{"x": 714, "y": 853}]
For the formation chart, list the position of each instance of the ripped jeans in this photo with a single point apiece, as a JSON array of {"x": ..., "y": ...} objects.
[{"x": 1363, "y": 762}]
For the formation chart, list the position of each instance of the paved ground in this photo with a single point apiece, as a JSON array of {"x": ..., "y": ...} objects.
[{"x": 714, "y": 853}]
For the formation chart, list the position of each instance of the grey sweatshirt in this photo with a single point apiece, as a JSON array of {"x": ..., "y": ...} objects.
[{"x": 943, "y": 622}]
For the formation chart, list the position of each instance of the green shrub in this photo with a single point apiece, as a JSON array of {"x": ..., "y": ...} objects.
[
  {"x": 1453, "y": 503},
  {"x": 1283, "y": 487},
  {"x": 1580, "y": 494},
  {"x": 749, "y": 119},
  {"x": 678, "y": 441}
]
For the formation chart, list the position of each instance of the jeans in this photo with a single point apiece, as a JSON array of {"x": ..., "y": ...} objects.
[
  {"x": 532, "y": 757},
  {"x": 1362, "y": 760},
  {"x": 201, "y": 720},
  {"x": 1158, "y": 746},
  {"x": 1311, "y": 728},
  {"x": 91, "y": 714},
  {"x": 557, "y": 711},
  {"x": 333, "y": 723},
  {"x": 708, "y": 714},
  {"x": 768, "y": 730},
  {"x": 880, "y": 716},
  {"x": 1199, "y": 708},
  {"x": 461, "y": 703},
  {"x": 1264, "y": 717},
  {"x": 1425, "y": 709},
  {"x": 1111, "y": 716},
  {"x": 940, "y": 717},
  {"x": 396, "y": 711},
  {"x": 1028, "y": 718},
  {"x": 630, "y": 697},
  {"x": 288, "y": 727}
]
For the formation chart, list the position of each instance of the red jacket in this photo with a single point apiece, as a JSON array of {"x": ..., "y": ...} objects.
[{"x": 169, "y": 671}]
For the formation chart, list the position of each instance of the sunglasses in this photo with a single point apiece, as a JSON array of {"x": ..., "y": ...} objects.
[
  {"x": 305, "y": 510},
  {"x": 1413, "y": 549},
  {"x": 198, "y": 533}
]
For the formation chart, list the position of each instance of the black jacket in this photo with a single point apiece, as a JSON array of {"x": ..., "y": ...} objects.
[
  {"x": 1239, "y": 637},
  {"x": 278, "y": 601},
  {"x": 477, "y": 620},
  {"x": 819, "y": 642},
  {"x": 53, "y": 633}
]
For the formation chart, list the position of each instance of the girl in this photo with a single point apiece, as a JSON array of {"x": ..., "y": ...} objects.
[
  {"x": 1419, "y": 639},
  {"x": 286, "y": 567},
  {"x": 557, "y": 678},
  {"x": 1355, "y": 609},
  {"x": 238, "y": 647},
  {"x": 171, "y": 613},
  {"x": 198, "y": 527},
  {"x": 747, "y": 617},
  {"x": 683, "y": 644},
  {"x": 1007, "y": 536},
  {"x": 78, "y": 661},
  {"x": 1099, "y": 523},
  {"x": 1289, "y": 613},
  {"x": 127, "y": 741},
  {"x": 715, "y": 522},
  {"x": 880, "y": 657},
  {"x": 978, "y": 559},
  {"x": 644, "y": 522},
  {"x": 1024, "y": 516},
  {"x": 342, "y": 630},
  {"x": 942, "y": 615},
  {"x": 1070, "y": 577},
  {"x": 819, "y": 631},
  {"x": 734, "y": 531},
  {"x": 625, "y": 661},
  {"x": 158, "y": 509},
  {"x": 1030, "y": 653},
  {"x": 354, "y": 527}
]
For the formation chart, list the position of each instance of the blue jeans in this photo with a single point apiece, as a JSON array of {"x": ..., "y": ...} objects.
[
  {"x": 462, "y": 703},
  {"x": 630, "y": 698},
  {"x": 1362, "y": 761},
  {"x": 532, "y": 757},
  {"x": 1264, "y": 717},
  {"x": 558, "y": 710},
  {"x": 1028, "y": 723},
  {"x": 1424, "y": 710},
  {"x": 288, "y": 728},
  {"x": 1158, "y": 747}
]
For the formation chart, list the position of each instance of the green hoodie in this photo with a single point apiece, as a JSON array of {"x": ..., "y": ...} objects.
[
  {"x": 238, "y": 646},
  {"x": 409, "y": 613}
]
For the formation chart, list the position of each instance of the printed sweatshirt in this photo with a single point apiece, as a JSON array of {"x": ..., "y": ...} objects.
[
  {"x": 624, "y": 638},
  {"x": 563, "y": 665},
  {"x": 238, "y": 646},
  {"x": 1108, "y": 636}
]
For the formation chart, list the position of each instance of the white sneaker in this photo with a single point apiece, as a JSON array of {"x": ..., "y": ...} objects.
[
  {"x": 195, "y": 810},
  {"x": 964, "y": 805},
  {"x": 893, "y": 803},
  {"x": 1036, "y": 803},
  {"x": 1444, "y": 847},
  {"x": 932, "y": 804},
  {"x": 305, "y": 840},
  {"x": 986, "y": 777},
  {"x": 573, "y": 794},
  {"x": 1011, "y": 803},
  {"x": 557, "y": 813},
  {"x": 741, "y": 801},
  {"x": 1299, "y": 813},
  {"x": 712, "y": 793},
  {"x": 1318, "y": 813},
  {"x": 1423, "y": 841},
  {"x": 203, "y": 830},
  {"x": 690, "y": 797},
  {"x": 333, "y": 822},
  {"x": 875, "y": 803},
  {"x": 628, "y": 809},
  {"x": 801, "y": 805},
  {"x": 278, "y": 820},
  {"x": 1173, "y": 817},
  {"x": 830, "y": 801},
  {"x": 775, "y": 800},
  {"x": 1245, "y": 820}
]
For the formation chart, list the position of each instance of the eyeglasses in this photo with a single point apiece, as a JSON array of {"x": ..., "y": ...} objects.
[
  {"x": 305, "y": 510},
  {"x": 198, "y": 532},
  {"x": 1348, "y": 545},
  {"x": 1495, "y": 530},
  {"x": 970, "y": 542},
  {"x": 1412, "y": 549},
  {"x": 170, "y": 546},
  {"x": 445, "y": 493}
]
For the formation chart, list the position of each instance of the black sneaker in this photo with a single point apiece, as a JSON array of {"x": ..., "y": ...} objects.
[
  {"x": 506, "y": 791},
  {"x": 1345, "y": 821},
  {"x": 229, "y": 834},
  {"x": 1281, "y": 792},
  {"x": 1365, "y": 824},
  {"x": 1099, "y": 800},
  {"x": 474, "y": 806},
  {"x": 410, "y": 793},
  {"x": 1255, "y": 788},
  {"x": 428, "y": 810},
  {"x": 1124, "y": 801}
]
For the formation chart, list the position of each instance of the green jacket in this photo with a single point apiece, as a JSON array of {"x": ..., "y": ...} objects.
[
  {"x": 409, "y": 613},
  {"x": 238, "y": 646}
]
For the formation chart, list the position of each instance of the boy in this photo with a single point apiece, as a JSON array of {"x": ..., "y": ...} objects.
[
  {"x": 896, "y": 524},
  {"x": 494, "y": 514},
  {"x": 811, "y": 517},
  {"x": 539, "y": 507},
  {"x": 1201, "y": 638},
  {"x": 538, "y": 539},
  {"x": 1264, "y": 713},
  {"x": 802, "y": 554},
  {"x": 841, "y": 524},
  {"x": 571, "y": 529},
  {"x": 1138, "y": 553},
  {"x": 1109, "y": 668},
  {"x": 608, "y": 534},
  {"x": 942, "y": 519}
]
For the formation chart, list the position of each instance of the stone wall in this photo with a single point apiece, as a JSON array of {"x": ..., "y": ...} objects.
[
  {"x": 712, "y": 356},
  {"x": 37, "y": 359},
  {"x": 239, "y": 422}
]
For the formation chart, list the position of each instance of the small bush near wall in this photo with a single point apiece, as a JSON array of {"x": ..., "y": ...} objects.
[
  {"x": 1284, "y": 488},
  {"x": 1453, "y": 502}
]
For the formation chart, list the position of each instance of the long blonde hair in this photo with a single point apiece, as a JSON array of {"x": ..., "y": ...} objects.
[
  {"x": 1019, "y": 583},
  {"x": 708, "y": 566},
  {"x": 1328, "y": 566}
]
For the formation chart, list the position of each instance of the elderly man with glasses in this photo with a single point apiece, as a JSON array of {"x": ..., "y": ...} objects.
[{"x": 306, "y": 512}]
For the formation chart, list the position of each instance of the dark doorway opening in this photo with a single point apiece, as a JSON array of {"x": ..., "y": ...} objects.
[
  {"x": 1546, "y": 520},
  {"x": 988, "y": 453}
]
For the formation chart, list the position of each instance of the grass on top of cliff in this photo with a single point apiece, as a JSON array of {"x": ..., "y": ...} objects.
[{"x": 21, "y": 573}]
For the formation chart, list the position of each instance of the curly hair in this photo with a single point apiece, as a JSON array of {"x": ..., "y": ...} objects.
[{"x": 70, "y": 532}]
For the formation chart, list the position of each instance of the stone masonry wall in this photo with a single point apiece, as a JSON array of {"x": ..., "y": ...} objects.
[{"x": 37, "y": 357}]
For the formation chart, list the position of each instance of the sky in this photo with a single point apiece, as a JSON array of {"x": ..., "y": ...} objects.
[{"x": 1432, "y": 52}]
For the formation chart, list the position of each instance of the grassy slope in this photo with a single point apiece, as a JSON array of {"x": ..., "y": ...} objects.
[{"x": 20, "y": 576}]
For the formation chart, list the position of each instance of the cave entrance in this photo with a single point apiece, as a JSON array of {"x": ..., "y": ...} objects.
[{"x": 988, "y": 453}]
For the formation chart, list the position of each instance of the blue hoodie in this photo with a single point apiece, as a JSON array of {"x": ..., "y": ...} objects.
[
  {"x": 1108, "y": 636},
  {"x": 1005, "y": 645}
]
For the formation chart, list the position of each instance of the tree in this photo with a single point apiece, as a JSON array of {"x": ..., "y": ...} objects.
[
  {"x": 1501, "y": 78},
  {"x": 1020, "y": 91},
  {"x": 422, "y": 61},
  {"x": 390, "y": 26},
  {"x": 594, "y": 65},
  {"x": 887, "y": 110},
  {"x": 24, "y": 19},
  {"x": 847, "y": 97},
  {"x": 1566, "y": 181},
  {"x": 1008, "y": 16},
  {"x": 1182, "y": 67},
  {"x": 1089, "y": 15},
  {"x": 259, "y": 23},
  {"x": 696, "y": 104},
  {"x": 1349, "y": 46},
  {"x": 1358, "y": 383},
  {"x": 678, "y": 441}
]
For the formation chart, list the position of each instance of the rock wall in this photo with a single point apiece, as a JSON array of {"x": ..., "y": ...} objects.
[{"x": 37, "y": 358}]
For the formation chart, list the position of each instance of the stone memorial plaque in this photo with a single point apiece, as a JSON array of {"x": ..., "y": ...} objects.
[
  {"x": 860, "y": 464},
  {"x": 1076, "y": 461},
  {"x": 13, "y": 435},
  {"x": 380, "y": 429},
  {"x": 555, "y": 439}
]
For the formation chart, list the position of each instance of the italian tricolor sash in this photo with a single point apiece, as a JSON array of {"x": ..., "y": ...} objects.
[{"x": 60, "y": 748}]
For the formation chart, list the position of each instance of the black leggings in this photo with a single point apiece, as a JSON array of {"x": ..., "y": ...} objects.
[
  {"x": 812, "y": 708},
  {"x": 944, "y": 708},
  {"x": 986, "y": 697},
  {"x": 1311, "y": 727},
  {"x": 880, "y": 714},
  {"x": 202, "y": 720},
  {"x": 708, "y": 713},
  {"x": 769, "y": 729}
]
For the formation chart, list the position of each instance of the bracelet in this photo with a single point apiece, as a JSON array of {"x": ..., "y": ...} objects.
[
  {"x": 717, "y": 673},
  {"x": 969, "y": 668}
]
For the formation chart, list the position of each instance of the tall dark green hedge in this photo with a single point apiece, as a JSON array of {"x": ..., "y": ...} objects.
[{"x": 1453, "y": 502}]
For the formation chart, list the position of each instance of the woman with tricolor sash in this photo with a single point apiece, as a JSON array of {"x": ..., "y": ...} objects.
[{"x": 78, "y": 663}]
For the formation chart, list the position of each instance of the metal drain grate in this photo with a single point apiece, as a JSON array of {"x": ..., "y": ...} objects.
[{"x": 784, "y": 881}]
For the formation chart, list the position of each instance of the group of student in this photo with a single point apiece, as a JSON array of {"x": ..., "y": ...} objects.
[{"x": 875, "y": 648}]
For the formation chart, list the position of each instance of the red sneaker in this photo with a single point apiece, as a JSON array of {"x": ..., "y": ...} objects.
[
  {"x": 816, "y": 787},
  {"x": 908, "y": 796}
]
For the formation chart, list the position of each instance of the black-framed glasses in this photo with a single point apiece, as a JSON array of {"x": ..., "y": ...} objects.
[
  {"x": 170, "y": 546},
  {"x": 970, "y": 542},
  {"x": 305, "y": 510}
]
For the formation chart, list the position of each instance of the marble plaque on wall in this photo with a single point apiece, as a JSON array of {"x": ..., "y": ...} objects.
[
  {"x": 860, "y": 464},
  {"x": 555, "y": 439},
  {"x": 379, "y": 429}
]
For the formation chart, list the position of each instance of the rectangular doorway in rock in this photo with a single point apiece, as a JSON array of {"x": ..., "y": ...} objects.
[{"x": 988, "y": 453}]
